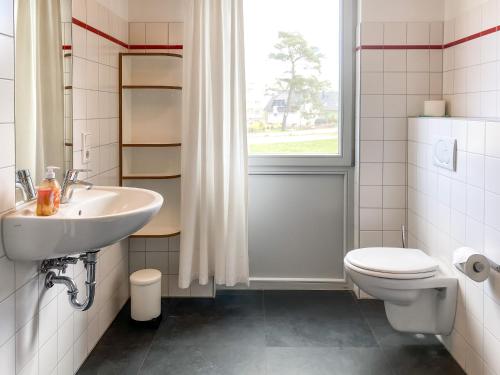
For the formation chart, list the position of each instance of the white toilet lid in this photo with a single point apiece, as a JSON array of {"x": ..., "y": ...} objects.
[{"x": 392, "y": 260}]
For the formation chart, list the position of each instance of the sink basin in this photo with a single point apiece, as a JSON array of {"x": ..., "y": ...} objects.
[{"x": 93, "y": 219}]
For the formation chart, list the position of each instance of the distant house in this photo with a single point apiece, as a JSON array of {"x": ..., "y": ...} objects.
[{"x": 276, "y": 106}]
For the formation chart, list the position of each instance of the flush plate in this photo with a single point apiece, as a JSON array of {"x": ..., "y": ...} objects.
[{"x": 444, "y": 153}]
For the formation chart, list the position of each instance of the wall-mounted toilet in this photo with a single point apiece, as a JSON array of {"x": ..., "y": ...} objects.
[{"x": 419, "y": 292}]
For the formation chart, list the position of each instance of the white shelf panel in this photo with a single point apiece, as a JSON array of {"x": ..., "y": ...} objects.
[
  {"x": 151, "y": 161},
  {"x": 150, "y": 115},
  {"x": 169, "y": 214},
  {"x": 156, "y": 230},
  {"x": 152, "y": 70}
]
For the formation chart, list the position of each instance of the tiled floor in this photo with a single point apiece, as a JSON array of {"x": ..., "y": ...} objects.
[{"x": 271, "y": 332}]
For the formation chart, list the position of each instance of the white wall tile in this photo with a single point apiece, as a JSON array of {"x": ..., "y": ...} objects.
[
  {"x": 372, "y": 33},
  {"x": 418, "y": 61},
  {"x": 394, "y": 174},
  {"x": 371, "y": 173},
  {"x": 492, "y": 137},
  {"x": 475, "y": 136},
  {"x": 7, "y": 143},
  {"x": 395, "y": 33},
  {"x": 370, "y": 219},
  {"x": 394, "y": 106},
  {"x": 492, "y": 210},
  {"x": 157, "y": 33},
  {"x": 372, "y": 61},
  {"x": 372, "y": 129},
  {"x": 418, "y": 33},
  {"x": 372, "y": 105},
  {"x": 371, "y": 151},
  {"x": 395, "y": 60},
  {"x": 8, "y": 357},
  {"x": 372, "y": 83},
  {"x": 370, "y": 196},
  {"x": 394, "y": 83},
  {"x": 175, "y": 33},
  {"x": 7, "y": 319}
]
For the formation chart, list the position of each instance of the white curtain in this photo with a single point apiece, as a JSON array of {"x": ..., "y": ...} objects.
[
  {"x": 214, "y": 148},
  {"x": 39, "y": 87}
]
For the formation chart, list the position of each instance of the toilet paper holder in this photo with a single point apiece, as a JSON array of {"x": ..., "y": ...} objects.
[
  {"x": 473, "y": 264},
  {"x": 493, "y": 265}
]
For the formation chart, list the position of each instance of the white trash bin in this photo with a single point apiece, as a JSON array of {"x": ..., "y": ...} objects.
[{"x": 145, "y": 295}]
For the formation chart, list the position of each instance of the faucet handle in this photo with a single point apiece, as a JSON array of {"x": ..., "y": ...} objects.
[
  {"x": 72, "y": 174},
  {"x": 24, "y": 181},
  {"x": 22, "y": 174}
]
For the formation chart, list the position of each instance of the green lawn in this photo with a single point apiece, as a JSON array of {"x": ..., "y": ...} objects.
[{"x": 321, "y": 146}]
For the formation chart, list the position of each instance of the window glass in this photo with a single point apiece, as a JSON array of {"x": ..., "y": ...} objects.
[{"x": 292, "y": 53}]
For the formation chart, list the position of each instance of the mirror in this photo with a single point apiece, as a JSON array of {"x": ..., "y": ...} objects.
[{"x": 43, "y": 92}]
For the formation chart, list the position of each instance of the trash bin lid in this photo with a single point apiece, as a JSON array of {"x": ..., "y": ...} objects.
[{"x": 146, "y": 276}]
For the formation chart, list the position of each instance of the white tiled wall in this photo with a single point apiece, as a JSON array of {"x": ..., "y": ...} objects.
[
  {"x": 156, "y": 33},
  {"x": 39, "y": 332},
  {"x": 393, "y": 85},
  {"x": 163, "y": 254},
  {"x": 471, "y": 70},
  {"x": 447, "y": 210}
]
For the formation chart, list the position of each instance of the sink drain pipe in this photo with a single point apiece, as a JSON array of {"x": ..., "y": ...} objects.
[{"x": 89, "y": 260}]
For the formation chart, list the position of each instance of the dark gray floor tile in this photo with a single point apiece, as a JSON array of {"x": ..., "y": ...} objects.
[
  {"x": 204, "y": 360},
  {"x": 374, "y": 312},
  {"x": 326, "y": 361},
  {"x": 213, "y": 330},
  {"x": 239, "y": 292},
  {"x": 418, "y": 360},
  {"x": 309, "y": 304},
  {"x": 318, "y": 331},
  {"x": 290, "y": 332},
  {"x": 227, "y": 304},
  {"x": 115, "y": 360}
]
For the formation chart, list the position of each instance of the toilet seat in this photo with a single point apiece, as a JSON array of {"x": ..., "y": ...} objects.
[{"x": 392, "y": 263}]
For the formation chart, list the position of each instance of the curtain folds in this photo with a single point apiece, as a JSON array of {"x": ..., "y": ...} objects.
[
  {"x": 39, "y": 85},
  {"x": 214, "y": 146}
]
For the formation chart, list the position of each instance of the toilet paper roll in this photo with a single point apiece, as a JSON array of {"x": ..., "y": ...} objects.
[
  {"x": 474, "y": 265},
  {"x": 434, "y": 108}
]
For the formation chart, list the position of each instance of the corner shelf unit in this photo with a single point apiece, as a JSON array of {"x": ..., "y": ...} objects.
[{"x": 150, "y": 132}]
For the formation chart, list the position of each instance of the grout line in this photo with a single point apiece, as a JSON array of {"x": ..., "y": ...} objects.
[{"x": 111, "y": 38}]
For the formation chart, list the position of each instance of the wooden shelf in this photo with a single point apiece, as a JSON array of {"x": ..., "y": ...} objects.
[
  {"x": 155, "y": 231},
  {"x": 160, "y": 87},
  {"x": 150, "y": 177},
  {"x": 151, "y": 145}
]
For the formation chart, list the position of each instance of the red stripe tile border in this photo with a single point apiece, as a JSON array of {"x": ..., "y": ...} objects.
[
  {"x": 119, "y": 42},
  {"x": 155, "y": 46},
  {"x": 432, "y": 46},
  {"x": 400, "y": 46},
  {"x": 99, "y": 32}
]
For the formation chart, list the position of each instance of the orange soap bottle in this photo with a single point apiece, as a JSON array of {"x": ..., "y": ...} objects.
[
  {"x": 45, "y": 202},
  {"x": 48, "y": 203}
]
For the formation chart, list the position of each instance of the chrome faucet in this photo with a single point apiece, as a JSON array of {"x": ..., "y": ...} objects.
[
  {"x": 25, "y": 184},
  {"x": 70, "y": 182}
]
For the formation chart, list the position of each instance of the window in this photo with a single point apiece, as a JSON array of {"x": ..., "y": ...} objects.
[{"x": 293, "y": 53}]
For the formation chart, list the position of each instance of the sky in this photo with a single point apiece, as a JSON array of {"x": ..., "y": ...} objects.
[{"x": 316, "y": 20}]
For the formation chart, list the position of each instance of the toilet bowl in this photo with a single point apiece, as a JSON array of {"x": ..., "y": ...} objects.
[{"x": 419, "y": 292}]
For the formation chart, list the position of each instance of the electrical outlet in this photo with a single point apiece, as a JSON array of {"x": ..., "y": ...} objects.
[{"x": 86, "y": 148}]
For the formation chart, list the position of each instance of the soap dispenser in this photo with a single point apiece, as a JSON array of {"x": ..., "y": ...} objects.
[{"x": 49, "y": 193}]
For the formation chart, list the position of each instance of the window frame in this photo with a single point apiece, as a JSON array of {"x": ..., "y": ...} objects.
[{"x": 347, "y": 79}]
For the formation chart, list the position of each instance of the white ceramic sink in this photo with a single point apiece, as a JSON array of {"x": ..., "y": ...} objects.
[{"x": 93, "y": 219}]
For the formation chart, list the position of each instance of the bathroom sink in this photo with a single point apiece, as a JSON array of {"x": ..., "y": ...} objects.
[{"x": 93, "y": 219}]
